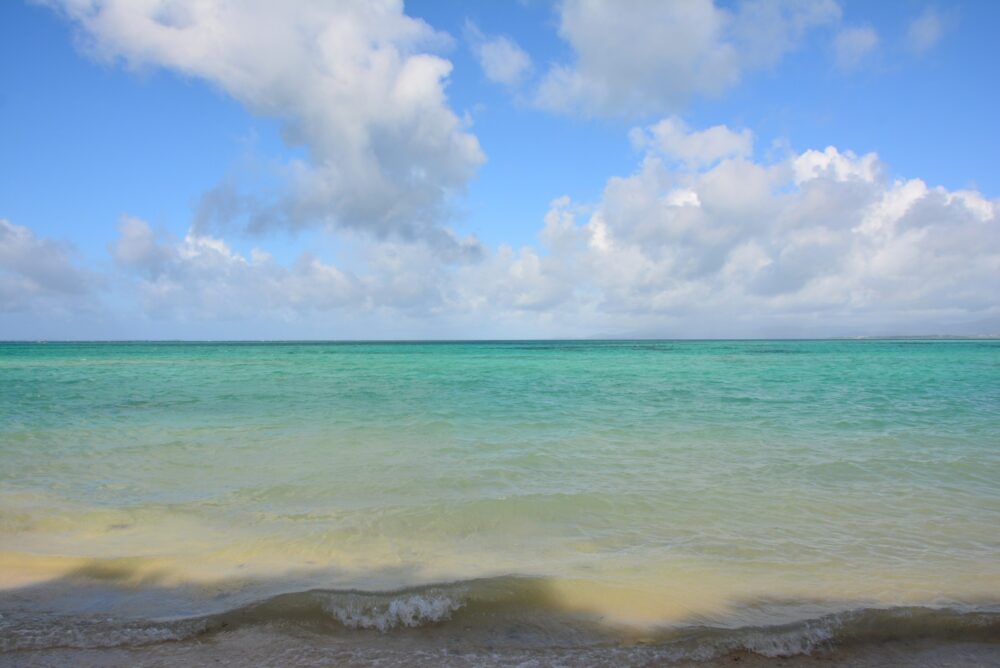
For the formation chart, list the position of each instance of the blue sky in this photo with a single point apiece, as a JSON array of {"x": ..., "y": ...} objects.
[{"x": 642, "y": 169}]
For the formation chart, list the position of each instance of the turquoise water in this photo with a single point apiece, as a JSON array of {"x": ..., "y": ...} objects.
[{"x": 651, "y": 486}]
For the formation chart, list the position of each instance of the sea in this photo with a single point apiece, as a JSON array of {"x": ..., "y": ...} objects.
[{"x": 500, "y": 503}]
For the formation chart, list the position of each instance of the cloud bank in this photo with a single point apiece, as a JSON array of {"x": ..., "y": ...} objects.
[
  {"x": 821, "y": 241},
  {"x": 701, "y": 240}
]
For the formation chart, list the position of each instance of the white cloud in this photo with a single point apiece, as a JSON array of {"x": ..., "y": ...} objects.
[
  {"x": 39, "y": 274},
  {"x": 833, "y": 164},
  {"x": 502, "y": 60},
  {"x": 925, "y": 31},
  {"x": 853, "y": 45},
  {"x": 765, "y": 30},
  {"x": 820, "y": 243},
  {"x": 694, "y": 148},
  {"x": 200, "y": 277},
  {"x": 350, "y": 81},
  {"x": 652, "y": 57}
]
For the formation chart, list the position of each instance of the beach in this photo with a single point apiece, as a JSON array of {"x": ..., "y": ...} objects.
[{"x": 626, "y": 503}]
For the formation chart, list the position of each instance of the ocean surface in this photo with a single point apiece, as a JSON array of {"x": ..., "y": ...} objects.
[{"x": 498, "y": 503}]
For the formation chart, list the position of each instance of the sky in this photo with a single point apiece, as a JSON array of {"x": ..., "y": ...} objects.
[{"x": 214, "y": 169}]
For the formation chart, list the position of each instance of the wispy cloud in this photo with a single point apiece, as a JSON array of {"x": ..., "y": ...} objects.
[
  {"x": 925, "y": 31},
  {"x": 654, "y": 57},
  {"x": 853, "y": 45},
  {"x": 502, "y": 60}
]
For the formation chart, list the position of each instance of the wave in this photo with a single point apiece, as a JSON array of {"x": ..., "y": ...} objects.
[{"x": 513, "y": 613}]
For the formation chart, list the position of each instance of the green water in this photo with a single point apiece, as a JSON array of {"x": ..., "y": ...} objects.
[{"x": 651, "y": 483}]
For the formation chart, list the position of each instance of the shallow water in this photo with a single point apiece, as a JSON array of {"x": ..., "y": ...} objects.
[{"x": 588, "y": 493}]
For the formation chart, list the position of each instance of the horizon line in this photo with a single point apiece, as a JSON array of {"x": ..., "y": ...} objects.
[{"x": 886, "y": 337}]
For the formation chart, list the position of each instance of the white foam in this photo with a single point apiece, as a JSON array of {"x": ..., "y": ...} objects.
[
  {"x": 358, "y": 612},
  {"x": 804, "y": 640}
]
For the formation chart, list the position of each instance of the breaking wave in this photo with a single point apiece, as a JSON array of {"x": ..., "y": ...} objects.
[{"x": 507, "y": 612}]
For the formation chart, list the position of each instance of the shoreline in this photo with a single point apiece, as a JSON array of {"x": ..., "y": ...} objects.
[
  {"x": 274, "y": 646},
  {"x": 507, "y": 621}
]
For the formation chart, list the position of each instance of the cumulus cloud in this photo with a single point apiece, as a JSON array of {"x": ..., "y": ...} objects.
[
  {"x": 925, "y": 31},
  {"x": 823, "y": 241},
  {"x": 39, "y": 274},
  {"x": 853, "y": 45},
  {"x": 672, "y": 137},
  {"x": 820, "y": 242},
  {"x": 502, "y": 60},
  {"x": 652, "y": 56},
  {"x": 200, "y": 277},
  {"x": 353, "y": 83}
]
